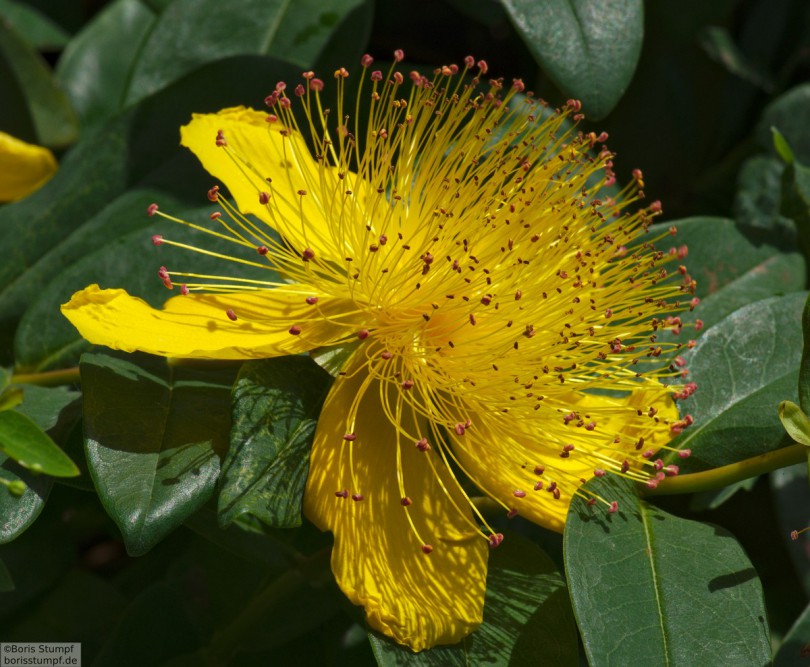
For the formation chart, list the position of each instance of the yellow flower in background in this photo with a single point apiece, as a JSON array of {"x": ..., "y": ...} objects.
[
  {"x": 25, "y": 167},
  {"x": 505, "y": 314}
]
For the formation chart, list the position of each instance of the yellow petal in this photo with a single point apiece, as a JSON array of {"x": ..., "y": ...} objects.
[
  {"x": 418, "y": 599},
  {"x": 502, "y": 470},
  {"x": 25, "y": 167},
  {"x": 198, "y": 326},
  {"x": 285, "y": 159}
]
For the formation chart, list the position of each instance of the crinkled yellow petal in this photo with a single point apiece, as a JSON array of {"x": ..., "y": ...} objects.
[
  {"x": 419, "y": 599},
  {"x": 256, "y": 151},
  {"x": 25, "y": 167},
  {"x": 502, "y": 460},
  {"x": 198, "y": 326}
]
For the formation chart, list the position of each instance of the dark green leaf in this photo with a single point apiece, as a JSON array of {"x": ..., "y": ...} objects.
[
  {"x": 709, "y": 500},
  {"x": 159, "y": 615},
  {"x": 792, "y": 498},
  {"x": 276, "y": 404},
  {"x": 51, "y": 114},
  {"x": 17, "y": 513},
  {"x": 576, "y": 44},
  {"x": 743, "y": 366},
  {"x": 718, "y": 43},
  {"x": 45, "y": 405},
  {"x": 190, "y": 33},
  {"x": 38, "y": 31},
  {"x": 22, "y": 440},
  {"x": 154, "y": 435},
  {"x": 96, "y": 67},
  {"x": 6, "y": 582},
  {"x": 804, "y": 368},
  {"x": 757, "y": 200},
  {"x": 527, "y": 618},
  {"x": 795, "y": 203},
  {"x": 795, "y": 646},
  {"x": 643, "y": 584},
  {"x": 790, "y": 113}
]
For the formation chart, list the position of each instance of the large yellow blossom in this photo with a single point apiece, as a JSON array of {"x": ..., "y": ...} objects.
[{"x": 504, "y": 317}]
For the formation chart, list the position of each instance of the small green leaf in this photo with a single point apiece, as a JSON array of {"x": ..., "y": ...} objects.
[
  {"x": 38, "y": 31},
  {"x": 790, "y": 112},
  {"x": 643, "y": 583},
  {"x": 527, "y": 618},
  {"x": 276, "y": 404},
  {"x": 154, "y": 433},
  {"x": 50, "y": 111},
  {"x": 782, "y": 147},
  {"x": 333, "y": 359},
  {"x": 719, "y": 45},
  {"x": 6, "y": 582},
  {"x": 22, "y": 440},
  {"x": 743, "y": 366},
  {"x": 795, "y": 422},
  {"x": 577, "y": 44}
]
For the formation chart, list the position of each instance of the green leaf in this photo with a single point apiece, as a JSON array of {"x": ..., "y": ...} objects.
[
  {"x": 782, "y": 147},
  {"x": 22, "y": 440},
  {"x": 795, "y": 202},
  {"x": 790, "y": 112},
  {"x": 46, "y": 405},
  {"x": 804, "y": 368},
  {"x": 794, "y": 649},
  {"x": 527, "y": 618},
  {"x": 190, "y": 33},
  {"x": 17, "y": 513},
  {"x": 48, "y": 107},
  {"x": 791, "y": 497},
  {"x": 154, "y": 435},
  {"x": 758, "y": 192},
  {"x": 38, "y": 31},
  {"x": 743, "y": 366},
  {"x": 276, "y": 404},
  {"x": 6, "y": 582},
  {"x": 643, "y": 584},
  {"x": 96, "y": 67},
  {"x": 795, "y": 422},
  {"x": 719, "y": 45},
  {"x": 577, "y": 44},
  {"x": 709, "y": 500}
]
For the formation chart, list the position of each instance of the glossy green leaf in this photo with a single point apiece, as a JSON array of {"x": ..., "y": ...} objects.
[
  {"x": 6, "y": 582},
  {"x": 52, "y": 116},
  {"x": 276, "y": 404},
  {"x": 527, "y": 618},
  {"x": 154, "y": 435},
  {"x": 96, "y": 67},
  {"x": 22, "y": 440},
  {"x": 743, "y": 366},
  {"x": 644, "y": 584},
  {"x": 576, "y": 43},
  {"x": 795, "y": 648},
  {"x": 758, "y": 192},
  {"x": 18, "y": 512},
  {"x": 190, "y": 33},
  {"x": 38, "y": 31},
  {"x": 795, "y": 422}
]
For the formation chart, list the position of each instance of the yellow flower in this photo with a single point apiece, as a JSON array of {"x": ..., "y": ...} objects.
[
  {"x": 25, "y": 167},
  {"x": 504, "y": 314}
]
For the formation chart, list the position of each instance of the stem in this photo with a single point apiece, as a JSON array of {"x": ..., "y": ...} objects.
[
  {"x": 48, "y": 378},
  {"x": 734, "y": 472}
]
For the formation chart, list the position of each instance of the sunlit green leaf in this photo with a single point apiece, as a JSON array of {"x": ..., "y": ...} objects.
[
  {"x": 22, "y": 440},
  {"x": 575, "y": 42},
  {"x": 795, "y": 422},
  {"x": 154, "y": 435},
  {"x": 276, "y": 404},
  {"x": 643, "y": 584},
  {"x": 527, "y": 618}
]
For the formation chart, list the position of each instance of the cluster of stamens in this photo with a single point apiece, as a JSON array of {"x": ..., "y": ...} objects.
[{"x": 494, "y": 284}]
